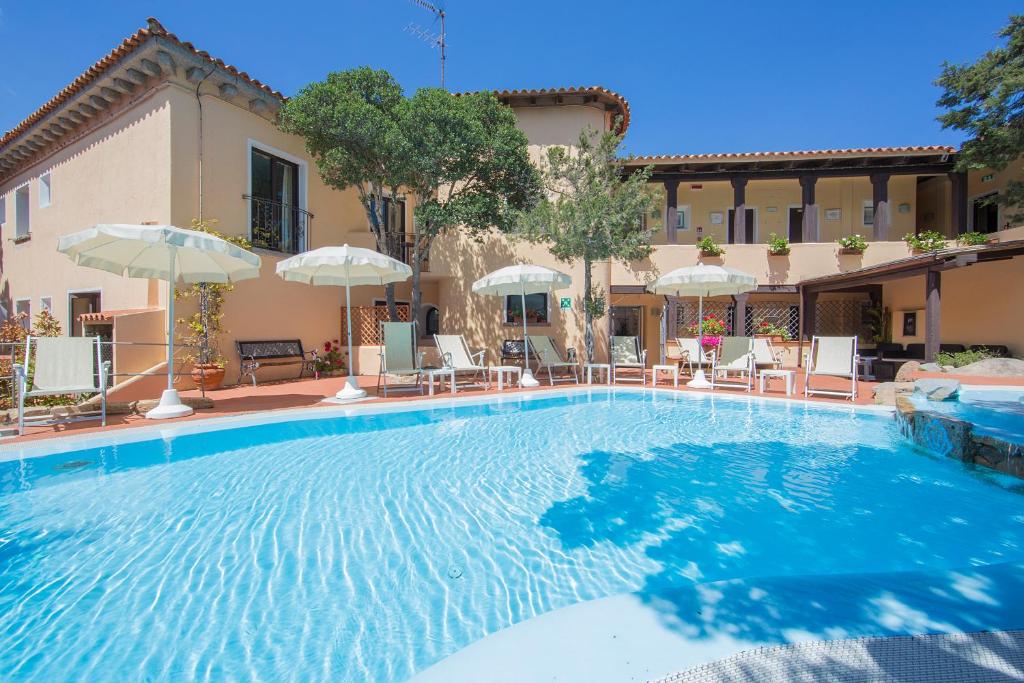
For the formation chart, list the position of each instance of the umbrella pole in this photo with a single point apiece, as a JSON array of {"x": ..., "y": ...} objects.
[
  {"x": 527, "y": 380},
  {"x": 699, "y": 381},
  {"x": 170, "y": 403},
  {"x": 350, "y": 391}
]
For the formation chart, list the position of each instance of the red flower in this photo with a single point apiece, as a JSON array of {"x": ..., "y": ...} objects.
[{"x": 327, "y": 346}]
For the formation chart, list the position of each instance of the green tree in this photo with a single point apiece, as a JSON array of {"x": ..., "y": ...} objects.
[
  {"x": 467, "y": 165},
  {"x": 986, "y": 100},
  {"x": 350, "y": 123},
  {"x": 593, "y": 211}
]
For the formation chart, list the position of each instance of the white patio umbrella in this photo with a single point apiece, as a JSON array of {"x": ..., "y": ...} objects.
[
  {"x": 351, "y": 267},
  {"x": 161, "y": 252},
  {"x": 522, "y": 280},
  {"x": 702, "y": 280}
]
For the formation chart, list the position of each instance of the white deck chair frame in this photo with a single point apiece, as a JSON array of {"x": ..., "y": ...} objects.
[
  {"x": 627, "y": 355},
  {"x": 455, "y": 354},
  {"x": 735, "y": 355},
  {"x": 765, "y": 355},
  {"x": 399, "y": 362},
  {"x": 692, "y": 354},
  {"x": 549, "y": 359},
  {"x": 832, "y": 357},
  {"x": 63, "y": 365}
]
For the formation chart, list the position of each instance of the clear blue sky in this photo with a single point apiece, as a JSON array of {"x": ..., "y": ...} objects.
[{"x": 714, "y": 76}]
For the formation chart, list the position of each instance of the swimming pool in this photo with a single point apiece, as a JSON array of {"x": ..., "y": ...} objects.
[
  {"x": 995, "y": 411},
  {"x": 369, "y": 547}
]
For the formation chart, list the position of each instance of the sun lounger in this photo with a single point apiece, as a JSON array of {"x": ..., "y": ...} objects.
[
  {"x": 455, "y": 354},
  {"x": 627, "y": 355},
  {"x": 832, "y": 357},
  {"x": 733, "y": 357},
  {"x": 548, "y": 358},
  {"x": 399, "y": 357},
  {"x": 63, "y": 365}
]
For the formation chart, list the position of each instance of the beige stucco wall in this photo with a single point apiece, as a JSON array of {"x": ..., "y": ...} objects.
[
  {"x": 846, "y": 194},
  {"x": 979, "y": 186},
  {"x": 981, "y": 304},
  {"x": 117, "y": 173}
]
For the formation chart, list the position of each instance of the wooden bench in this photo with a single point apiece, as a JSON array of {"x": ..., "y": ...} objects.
[{"x": 268, "y": 353}]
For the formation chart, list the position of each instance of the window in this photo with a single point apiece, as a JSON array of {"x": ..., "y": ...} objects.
[
  {"x": 3, "y": 211},
  {"x": 432, "y": 322},
  {"x": 277, "y": 221},
  {"x": 79, "y": 303},
  {"x": 536, "y": 308},
  {"x": 46, "y": 304},
  {"x": 45, "y": 190},
  {"x": 868, "y": 214},
  {"x": 683, "y": 217},
  {"x": 23, "y": 309},
  {"x": 985, "y": 213},
  {"x": 22, "y": 225}
]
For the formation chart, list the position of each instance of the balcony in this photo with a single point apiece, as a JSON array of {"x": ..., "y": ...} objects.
[
  {"x": 407, "y": 256},
  {"x": 277, "y": 226}
]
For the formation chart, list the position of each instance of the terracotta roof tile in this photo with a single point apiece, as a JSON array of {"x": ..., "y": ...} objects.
[
  {"x": 569, "y": 90},
  {"x": 153, "y": 29},
  {"x": 741, "y": 156}
]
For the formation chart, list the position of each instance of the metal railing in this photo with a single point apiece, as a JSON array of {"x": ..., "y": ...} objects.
[{"x": 278, "y": 226}]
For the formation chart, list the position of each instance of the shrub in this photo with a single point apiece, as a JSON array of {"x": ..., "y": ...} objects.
[
  {"x": 971, "y": 239},
  {"x": 853, "y": 242},
  {"x": 927, "y": 240},
  {"x": 778, "y": 246},
  {"x": 331, "y": 359},
  {"x": 769, "y": 328},
  {"x": 962, "y": 358},
  {"x": 709, "y": 247},
  {"x": 713, "y": 329}
]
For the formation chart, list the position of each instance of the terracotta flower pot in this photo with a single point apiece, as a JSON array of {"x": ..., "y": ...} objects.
[
  {"x": 208, "y": 376},
  {"x": 850, "y": 251}
]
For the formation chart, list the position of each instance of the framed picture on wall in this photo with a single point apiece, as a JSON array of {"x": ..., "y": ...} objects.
[
  {"x": 909, "y": 323},
  {"x": 716, "y": 217}
]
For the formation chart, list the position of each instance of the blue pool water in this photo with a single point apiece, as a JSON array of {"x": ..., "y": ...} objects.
[
  {"x": 994, "y": 411},
  {"x": 369, "y": 547}
]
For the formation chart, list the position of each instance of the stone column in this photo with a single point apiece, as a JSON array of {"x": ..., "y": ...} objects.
[
  {"x": 671, "y": 210},
  {"x": 810, "y": 226},
  {"x": 958, "y": 203},
  {"x": 739, "y": 202},
  {"x": 932, "y": 314},
  {"x": 880, "y": 198}
]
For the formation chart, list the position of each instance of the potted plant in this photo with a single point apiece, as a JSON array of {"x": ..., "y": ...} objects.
[
  {"x": 925, "y": 241},
  {"x": 708, "y": 247},
  {"x": 204, "y": 327},
  {"x": 776, "y": 333},
  {"x": 974, "y": 239},
  {"x": 778, "y": 246},
  {"x": 329, "y": 362},
  {"x": 852, "y": 244},
  {"x": 711, "y": 330}
]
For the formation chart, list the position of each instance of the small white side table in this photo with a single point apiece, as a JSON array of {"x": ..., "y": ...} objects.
[
  {"x": 502, "y": 370},
  {"x": 606, "y": 368},
  {"x": 439, "y": 374},
  {"x": 788, "y": 375},
  {"x": 670, "y": 369}
]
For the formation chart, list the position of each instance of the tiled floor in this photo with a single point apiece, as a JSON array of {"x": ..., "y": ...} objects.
[{"x": 310, "y": 393}]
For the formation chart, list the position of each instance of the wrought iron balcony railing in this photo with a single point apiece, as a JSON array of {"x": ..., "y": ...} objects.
[{"x": 278, "y": 226}]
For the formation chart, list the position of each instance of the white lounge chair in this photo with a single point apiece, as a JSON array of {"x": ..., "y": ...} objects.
[
  {"x": 627, "y": 355},
  {"x": 692, "y": 354},
  {"x": 832, "y": 357},
  {"x": 733, "y": 357},
  {"x": 765, "y": 355},
  {"x": 63, "y": 365},
  {"x": 548, "y": 358},
  {"x": 455, "y": 354},
  {"x": 399, "y": 357}
]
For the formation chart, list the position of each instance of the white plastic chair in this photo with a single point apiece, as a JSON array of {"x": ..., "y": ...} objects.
[{"x": 63, "y": 365}]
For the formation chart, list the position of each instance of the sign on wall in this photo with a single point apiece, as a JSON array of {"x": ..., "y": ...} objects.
[{"x": 565, "y": 303}]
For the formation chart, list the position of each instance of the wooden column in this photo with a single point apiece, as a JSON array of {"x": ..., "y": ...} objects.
[
  {"x": 739, "y": 202},
  {"x": 739, "y": 327},
  {"x": 958, "y": 202},
  {"x": 810, "y": 302},
  {"x": 810, "y": 226},
  {"x": 671, "y": 210},
  {"x": 932, "y": 314},
  {"x": 880, "y": 196}
]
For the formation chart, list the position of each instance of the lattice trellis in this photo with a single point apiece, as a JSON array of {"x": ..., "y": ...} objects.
[
  {"x": 366, "y": 322},
  {"x": 842, "y": 317},
  {"x": 784, "y": 314},
  {"x": 687, "y": 312}
]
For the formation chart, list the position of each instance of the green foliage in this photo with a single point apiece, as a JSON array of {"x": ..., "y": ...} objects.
[
  {"x": 962, "y": 358},
  {"x": 853, "y": 242},
  {"x": 330, "y": 360},
  {"x": 592, "y": 211},
  {"x": 986, "y": 101},
  {"x": 708, "y": 246},
  {"x": 13, "y": 333},
  {"x": 779, "y": 246},
  {"x": 972, "y": 239},
  {"x": 767, "y": 327},
  {"x": 927, "y": 240},
  {"x": 203, "y": 328}
]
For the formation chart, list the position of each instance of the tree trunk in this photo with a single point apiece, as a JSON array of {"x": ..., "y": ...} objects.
[{"x": 588, "y": 314}]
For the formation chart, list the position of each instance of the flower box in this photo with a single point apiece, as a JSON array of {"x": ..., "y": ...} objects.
[
  {"x": 850, "y": 251},
  {"x": 783, "y": 252}
]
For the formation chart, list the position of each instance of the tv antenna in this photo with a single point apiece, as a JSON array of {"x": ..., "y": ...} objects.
[{"x": 428, "y": 36}]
